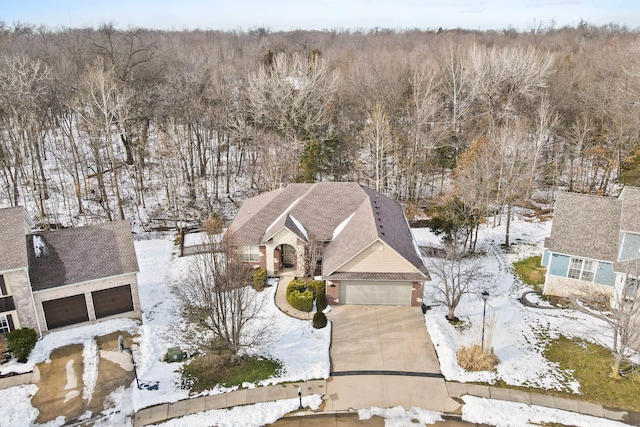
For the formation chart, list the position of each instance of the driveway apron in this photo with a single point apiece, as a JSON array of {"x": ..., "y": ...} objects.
[{"x": 383, "y": 356}]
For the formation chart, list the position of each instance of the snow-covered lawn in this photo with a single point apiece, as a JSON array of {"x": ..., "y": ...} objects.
[{"x": 515, "y": 332}]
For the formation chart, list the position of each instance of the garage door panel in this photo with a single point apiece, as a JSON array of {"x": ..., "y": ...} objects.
[
  {"x": 375, "y": 293},
  {"x": 65, "y": 311},
  {"x": 108, "y": 302}
]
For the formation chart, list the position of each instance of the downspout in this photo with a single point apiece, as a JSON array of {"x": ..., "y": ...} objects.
[{"x": 33, "y": 301}]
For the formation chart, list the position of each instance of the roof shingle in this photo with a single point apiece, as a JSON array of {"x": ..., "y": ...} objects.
[
  {"x": 75, "y": 255},
  {"x": 13, "y": 252}
]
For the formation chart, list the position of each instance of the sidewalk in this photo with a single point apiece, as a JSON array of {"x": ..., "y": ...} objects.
[
  {"x": 165, "y": 411},
  {"x": 347, "y": 394},
  {"x": 281, "y": 299},
  {"x": 457, "y": 390}
]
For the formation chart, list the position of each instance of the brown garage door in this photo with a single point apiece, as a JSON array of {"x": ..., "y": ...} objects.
[
  {"x": 65, "y": 311},
  {"x": 112, "y": 301}
]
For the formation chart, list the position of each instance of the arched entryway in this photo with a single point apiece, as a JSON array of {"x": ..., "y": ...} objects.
[{"x": 284, "y": 257}]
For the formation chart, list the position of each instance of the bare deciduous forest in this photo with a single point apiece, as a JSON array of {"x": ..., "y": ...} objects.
[{"x": 164, "y": 127}]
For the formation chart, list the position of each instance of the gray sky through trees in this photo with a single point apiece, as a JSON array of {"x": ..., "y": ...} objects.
[{"x": 278, "y": 15}]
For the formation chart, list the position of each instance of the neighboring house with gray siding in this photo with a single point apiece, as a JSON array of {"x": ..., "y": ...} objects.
[
  {"x": 594, "y": 244},
  {"x": 368, "y": 255},
  {"x": 51, "y": 279}
]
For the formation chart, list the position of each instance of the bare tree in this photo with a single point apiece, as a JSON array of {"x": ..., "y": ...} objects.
[
  {"x": 378, "y": 150},
  {"x": 313, "y": 251},
  {"x": 621, "y": 313},
  {"x": 456, "y": 276},
  {"x": 221, "y": 310}
]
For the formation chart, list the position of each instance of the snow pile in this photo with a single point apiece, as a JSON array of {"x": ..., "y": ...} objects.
[
  {"x": 16, "y": 409},
  {"x": 57, "y": 339},
  {"x": 398, "y": 417},
  {"x": 90, "y": 371},
  {"x": 39, "y": 247},
  {"x": 510, "y": 414},
  {"x": 259, "y": 414}
]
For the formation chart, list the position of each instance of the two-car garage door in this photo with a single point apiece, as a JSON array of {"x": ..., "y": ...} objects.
[
  {"x": 71, "y": 310},
  {"x": 375, "y": 293}
]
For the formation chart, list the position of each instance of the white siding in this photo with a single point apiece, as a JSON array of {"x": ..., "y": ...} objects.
[{"x": 378, "y": 258}]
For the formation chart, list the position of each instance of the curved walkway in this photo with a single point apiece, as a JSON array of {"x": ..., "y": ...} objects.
[
  {"x": 525, "y": 301},
  {"x": 281, "y": 298}
]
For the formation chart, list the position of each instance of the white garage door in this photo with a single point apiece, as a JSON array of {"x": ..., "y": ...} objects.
[{"x": 375, "y": 293}]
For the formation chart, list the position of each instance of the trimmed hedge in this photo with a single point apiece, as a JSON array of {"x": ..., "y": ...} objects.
[
  {"x": 299, "y": 296},
  {"x": 321, "y": 302},
  {"x": 20, "y": 342},
  {"x": 260, "y": 279},
  {"x": 319, "y": 320}
]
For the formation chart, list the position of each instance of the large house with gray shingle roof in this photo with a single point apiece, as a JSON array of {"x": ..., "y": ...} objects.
[
  {"x": 368, "y": 252},
  {"x": 51, "y": 279},
  {"x": 594, "y": 244}
]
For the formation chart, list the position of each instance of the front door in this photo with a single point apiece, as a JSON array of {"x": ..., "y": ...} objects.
[{"x": 288, "y": 256}]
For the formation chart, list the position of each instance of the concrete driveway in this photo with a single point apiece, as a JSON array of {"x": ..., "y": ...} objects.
[
  {"x": 381, "y": 338},
  {"x": 372, "y": 349}
]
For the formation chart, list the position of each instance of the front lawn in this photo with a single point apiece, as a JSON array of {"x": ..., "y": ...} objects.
[
  {"x": 591, "y": 366},
  {"x": 530, "y": 271},
  {"x": 211, "y": 370}
]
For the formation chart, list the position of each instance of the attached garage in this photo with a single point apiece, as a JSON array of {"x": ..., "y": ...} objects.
[
  {"x": 375, "y": 293},
  {"x": 112, "y": 301},
  {"x": 65, "y": 311}
]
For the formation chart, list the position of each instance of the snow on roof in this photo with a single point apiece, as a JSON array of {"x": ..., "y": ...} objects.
[
  {"x": 300, "y": 226},
  {"x": 285, "y": 212},
  {"x": 341, "y": 226},
  {"x": 39, "y": 247}
]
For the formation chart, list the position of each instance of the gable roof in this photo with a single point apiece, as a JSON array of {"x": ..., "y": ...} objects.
[
  {"x": 13, "y": 252},
  {"x": 630, "y": 214},
  {"x": 315, "y": 211},
  {"x": 378, "y": 217},
  {"x": 75, "y": 255},
  {"x": 586, "y": 226}
]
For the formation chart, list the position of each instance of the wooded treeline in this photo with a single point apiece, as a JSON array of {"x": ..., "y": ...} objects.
[{"x": 106, "y": 123}]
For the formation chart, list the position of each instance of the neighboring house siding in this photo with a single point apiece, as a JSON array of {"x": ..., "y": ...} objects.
[
  {"x": 378, "y": 258},
  {"x": 559, "y": 265},
  {"x": 86, "y": 289},
  {"x": 18, "y": 286},
  {"x": 605, "y": 274},
  {"x": 545, "y": 258},
  {"x": 629, "y": 246}
]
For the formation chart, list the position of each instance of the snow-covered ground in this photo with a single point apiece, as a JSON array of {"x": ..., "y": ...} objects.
[{"x": 514, "y": 332}]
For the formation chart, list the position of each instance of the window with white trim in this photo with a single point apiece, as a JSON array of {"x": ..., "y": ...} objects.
[
  {"x": 582, "y": 269},
  {"x": 251, "y": 254},
  {"x": 4, "y": 325}
]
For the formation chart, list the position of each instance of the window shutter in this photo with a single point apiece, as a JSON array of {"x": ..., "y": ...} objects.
[
  {"x": 10, "y": 322},
  {"x": 3, "y": 287}
]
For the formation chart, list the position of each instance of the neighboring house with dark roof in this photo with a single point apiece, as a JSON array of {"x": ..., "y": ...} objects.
[
  {"x": 368, "y": 252},
  {"x": 51, "y": 279},
  {"x": 594, "y": 244}
]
